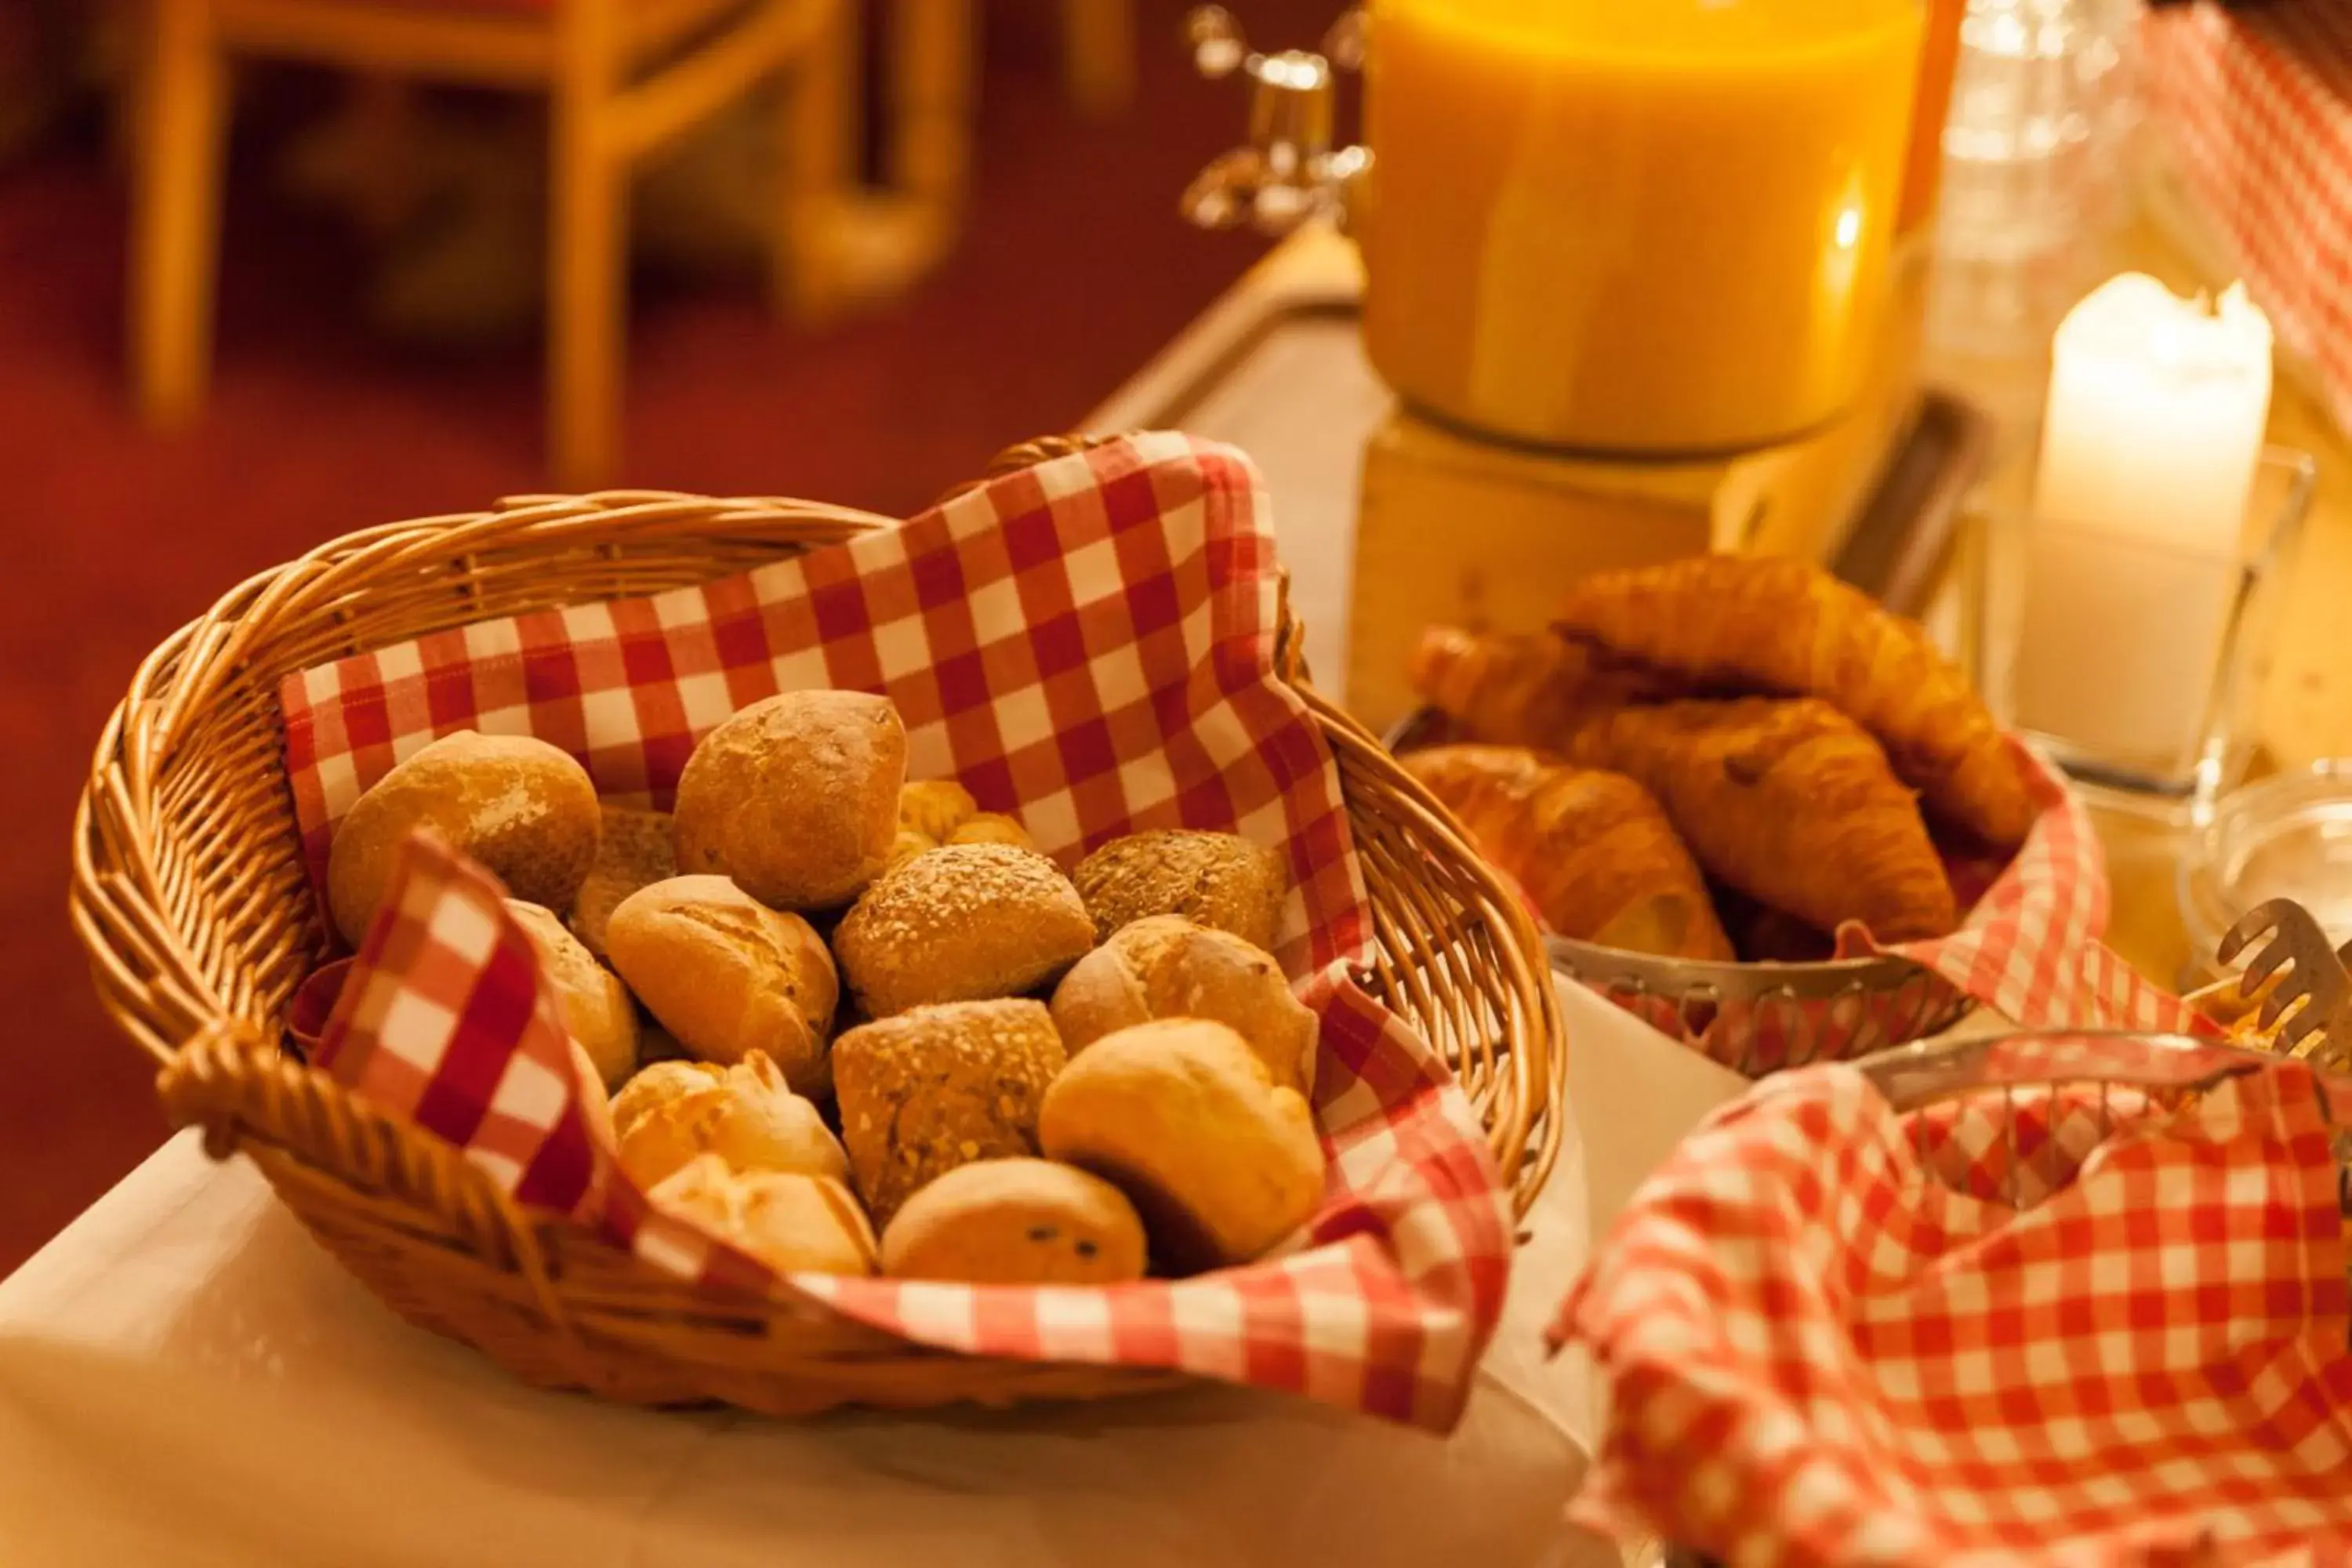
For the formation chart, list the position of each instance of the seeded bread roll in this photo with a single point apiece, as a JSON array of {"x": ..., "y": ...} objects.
[
  {"x": 795, "y": 798},
  {"x": 1016, "y": 1222},
  {"x": 1179, "y": 1115},
  {"x": 521, "y": 807},
  {"x": 1164, "y": 966},
  {"x": 635, "y": 851},
  {"x": 727, "y": 975},
  {"x": 747, "y": 1115},
  {"x": 597, "y": 1011},
  {"x": 1215, "y": 880},
  {"x": 788, "y": 1221},
  {"x": 938, "y": 1088},
  {"x": 962, "y": 924}
]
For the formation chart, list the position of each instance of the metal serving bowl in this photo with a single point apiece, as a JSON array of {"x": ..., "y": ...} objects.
[{"x": 1754, "y": 1018}]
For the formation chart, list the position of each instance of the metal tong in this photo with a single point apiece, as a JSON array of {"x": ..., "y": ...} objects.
[{"x": 2304, "y": 983}]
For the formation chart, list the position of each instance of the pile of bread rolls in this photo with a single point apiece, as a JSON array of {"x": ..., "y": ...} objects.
[{"x": 825, "y": 1001}]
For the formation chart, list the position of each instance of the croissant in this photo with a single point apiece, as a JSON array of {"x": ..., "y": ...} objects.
[
  {"x": 1592, "y": 849},
  {"x": 1518, "y": 690},
  {"x": 1787, "y": 801},
  {"x": 1785, "y": 625}
]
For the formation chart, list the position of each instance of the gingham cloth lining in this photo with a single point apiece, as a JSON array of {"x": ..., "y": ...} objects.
[
  {"x": 2030, "y": 949},
  {"x": 1824, "y": 1346},
  {"x": 2258, "y": 104},
  {"x": 1087, "y": 645}
]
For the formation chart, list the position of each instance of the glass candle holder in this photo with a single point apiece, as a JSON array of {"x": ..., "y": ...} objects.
[
  {"x": 2288, "y": 836},
  {"x": 2137, "y": 666}
]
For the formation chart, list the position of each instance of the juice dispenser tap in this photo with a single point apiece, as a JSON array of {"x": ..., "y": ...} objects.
[
  {"x": 1288, "y": 171},
  {"x": 1627, "y": 266}
]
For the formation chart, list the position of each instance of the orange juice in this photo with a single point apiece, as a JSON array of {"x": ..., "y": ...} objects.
[{"x": 1632, "y": 225}]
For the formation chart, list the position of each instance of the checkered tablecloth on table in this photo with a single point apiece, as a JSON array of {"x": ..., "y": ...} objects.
[
  {"x": 2256, "y": 103},
  {"x": 2030, "y": 948},
  {"x": 1838, "y": 1336},
  {"x": 1087, "y": 645}
]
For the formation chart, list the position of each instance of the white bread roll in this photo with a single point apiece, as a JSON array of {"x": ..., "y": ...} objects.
[{"x": 521, "y": 807}]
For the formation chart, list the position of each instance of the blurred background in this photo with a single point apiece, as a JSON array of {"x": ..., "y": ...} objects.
[{"x": 1006, "y": 251}]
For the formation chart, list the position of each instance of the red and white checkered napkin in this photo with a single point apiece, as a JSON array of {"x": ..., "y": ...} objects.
[
  {"x": 2030, "y": 949},
  {"x": 2257, "y": 103},
  {"x": 1087, "y": 645},
  {"x": 1834, "y": 1335}
]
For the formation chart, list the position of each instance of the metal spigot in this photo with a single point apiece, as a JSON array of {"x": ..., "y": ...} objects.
[{"x": 1288, "y": 171}]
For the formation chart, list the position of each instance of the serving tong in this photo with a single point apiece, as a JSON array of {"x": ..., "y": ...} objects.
[{"x": 2303, "y": 984}]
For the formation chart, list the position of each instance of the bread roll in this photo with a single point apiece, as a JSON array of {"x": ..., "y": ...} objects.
[
  {"x": 1164, "y": 966},
  {"x": 1179, "y": 1115},
  {"x": 748, "y": 1116},
  {"x": 1215, "y": 880},
  {"x": 795, "y": 798},
  {"x": 521, "y": 807},
  {"x": 657, "y": 1084},
  {"x": 940, "y": 1087},
  {"x": 962, "y": 923},
  {"x": 635, "y": 851},
  {"x": 792, "y": 1223},
  {"x": 598, "y": 1012},
  {"x": 935, "y": 808},
  {"x": 726, "y": 975},
  {"x": 1016, "y": 1222},
  {"x": 988, "y": 827}
]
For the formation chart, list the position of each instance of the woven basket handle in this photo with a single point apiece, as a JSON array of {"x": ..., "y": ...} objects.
[{"x": 1289, "y": 637}]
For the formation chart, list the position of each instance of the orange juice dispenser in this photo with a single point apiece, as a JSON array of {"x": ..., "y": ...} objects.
[{"x": 1629, "y": 270}]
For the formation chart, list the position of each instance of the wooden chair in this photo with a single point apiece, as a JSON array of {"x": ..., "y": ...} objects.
[{"x": 624, "y": 78}]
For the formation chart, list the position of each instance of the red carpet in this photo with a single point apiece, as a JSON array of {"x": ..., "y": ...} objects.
[{"x": 1075, "y": 270}]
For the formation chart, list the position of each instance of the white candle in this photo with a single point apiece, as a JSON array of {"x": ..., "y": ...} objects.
[
  {"x": 2149, "y": 444},
  {"x": 2155, "y": 415}
]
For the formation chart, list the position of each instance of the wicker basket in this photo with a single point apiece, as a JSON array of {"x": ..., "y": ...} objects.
[{"x": 190, "y": 892}]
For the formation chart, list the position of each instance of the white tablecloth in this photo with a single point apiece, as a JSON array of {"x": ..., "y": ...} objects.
[{"x": 185, "y": 1379}]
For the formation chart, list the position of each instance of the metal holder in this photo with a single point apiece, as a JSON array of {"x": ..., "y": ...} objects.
[
  {"x": 1288, "y": 173},
  {"x": 1759, "y": 1018},
  {"x": 1755, "y": 1018}
]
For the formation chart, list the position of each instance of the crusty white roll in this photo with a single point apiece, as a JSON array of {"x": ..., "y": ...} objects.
[
  {"x": 747, "y": 1115},
  {"x": 521, "y": 808},
  {"x": 795, "y": 798},
  {"x": 597, "y": 1011},
  {"x": 790, "y": 1222},
  {"x": 727, "y": 975}
]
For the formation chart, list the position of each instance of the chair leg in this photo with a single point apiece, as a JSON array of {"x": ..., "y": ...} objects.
[
  {"x": 817, "y": 99},
  {"x": 1099, "y": 55},
  {"x": 587, "y": 259},
  {"x": 181, "y": 124},
  {"x": 934, "y": 62}
]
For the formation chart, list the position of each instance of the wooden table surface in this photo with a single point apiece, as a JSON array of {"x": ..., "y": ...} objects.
[{"x": 1276, "y": 368}]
